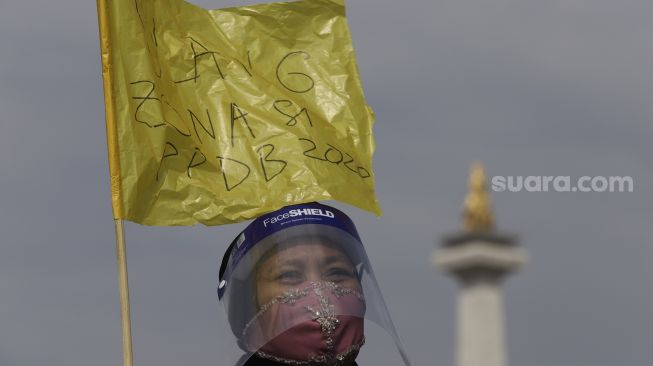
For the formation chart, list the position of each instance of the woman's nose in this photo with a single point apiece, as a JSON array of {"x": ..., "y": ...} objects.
[{"x": 313, "y": 276}]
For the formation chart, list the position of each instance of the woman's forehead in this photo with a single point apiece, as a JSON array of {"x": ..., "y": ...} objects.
[{"x": 309, "y": 249}]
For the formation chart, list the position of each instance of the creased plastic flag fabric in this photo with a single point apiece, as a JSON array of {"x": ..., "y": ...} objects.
[{"x": 217, "y": 116}]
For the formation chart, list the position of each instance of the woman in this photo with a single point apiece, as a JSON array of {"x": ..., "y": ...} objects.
[{"x": 297, "y": 286}]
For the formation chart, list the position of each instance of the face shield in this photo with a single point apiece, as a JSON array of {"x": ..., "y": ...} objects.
[{"x": 298, "y": 288}]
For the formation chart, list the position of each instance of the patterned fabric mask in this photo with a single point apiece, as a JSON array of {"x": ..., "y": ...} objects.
[{"x": 321, "y": 324}]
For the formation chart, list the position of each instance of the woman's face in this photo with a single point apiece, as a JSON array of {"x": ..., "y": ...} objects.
[{"x": 310, "y": 260}]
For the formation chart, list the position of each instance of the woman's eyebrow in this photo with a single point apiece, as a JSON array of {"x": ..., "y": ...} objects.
[
  {"x": 291, "y": 263},
  {"x": 337, "y": 258}
]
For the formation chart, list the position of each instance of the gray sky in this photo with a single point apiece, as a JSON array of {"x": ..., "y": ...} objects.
[{"x": 531, "y": 87}]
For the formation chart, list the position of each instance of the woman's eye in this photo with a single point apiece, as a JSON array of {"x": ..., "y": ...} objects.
[
  {"x": 289, "y": 276},
  {"x": 336, "y": 274}
]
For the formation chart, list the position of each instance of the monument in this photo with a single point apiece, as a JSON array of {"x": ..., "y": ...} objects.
[{"x": 479, "y": 258}]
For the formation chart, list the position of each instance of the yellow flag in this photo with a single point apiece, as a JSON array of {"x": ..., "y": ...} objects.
[{"x": 216, "y": 116}]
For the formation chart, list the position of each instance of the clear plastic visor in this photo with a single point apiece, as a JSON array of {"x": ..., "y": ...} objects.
[{"x": 299, "y": 276}]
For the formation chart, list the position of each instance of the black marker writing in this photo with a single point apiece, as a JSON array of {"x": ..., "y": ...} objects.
[
  {"x": 197, "y": 121},
  {"x": 268, "y": 164},
  {"x": 308, "y": 81},
  {"x": 176, "y": 112},
  {"x": 231, "y": 170},
  {"x": 334, "y": 152},
  {"x": 249, "y": 62},
  {"x": 347, "y": 163},
  {"x": 147, "y": 98},
  {"x": 312, "y": 147},
  {"x": 334, "y": 156},
  {"x": 168, "y": 150},
  {"x": 363, "y": 172},
  {"x": 161, "y": 108},
  {"x": 196, "y": 56},
  {"x": 201, "y": 159},
  {"x": 279, "y": 104},
  {"x": 236, "y": 114},
  {"x": 153, "y": 54}
]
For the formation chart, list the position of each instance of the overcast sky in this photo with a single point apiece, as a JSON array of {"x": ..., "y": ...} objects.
[{"x": 530, "y": 87}]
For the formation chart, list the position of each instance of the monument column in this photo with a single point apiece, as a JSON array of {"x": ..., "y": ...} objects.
[{"x": 479, "y": 258}]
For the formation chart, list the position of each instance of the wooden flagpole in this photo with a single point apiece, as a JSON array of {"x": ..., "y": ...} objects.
[
  {"x": 121, "y": 250},
  {"x": 104, "y": 19}
]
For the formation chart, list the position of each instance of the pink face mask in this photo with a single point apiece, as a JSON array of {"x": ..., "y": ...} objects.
[{"x": 321, "y": 324}]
